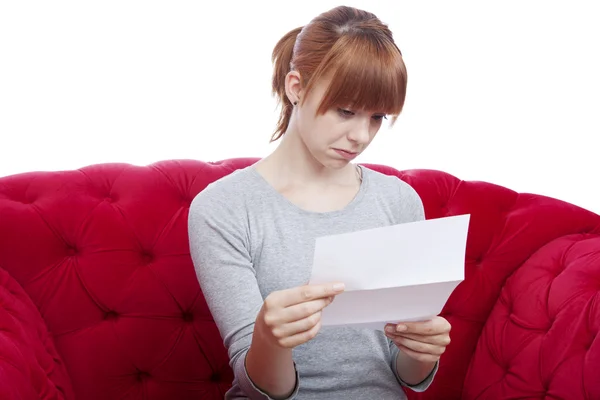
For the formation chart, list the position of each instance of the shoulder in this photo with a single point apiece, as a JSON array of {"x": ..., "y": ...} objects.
[
  {"x": 223, "y": 190},
  {"x": 406, "y": 199},
  {"x": 223, "y": 197},
  {"x": 393, "y": 184}
]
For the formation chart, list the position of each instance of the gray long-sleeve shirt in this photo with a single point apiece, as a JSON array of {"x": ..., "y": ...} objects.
[{"x": 247, "y": 240}]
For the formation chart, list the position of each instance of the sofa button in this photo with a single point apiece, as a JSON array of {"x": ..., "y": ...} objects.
[
  {"x": 71, "y": 251},
  {"x": 147, "y": 257},
  {"x": 111, "y": 315},
  {"x": 188, "y": 316},
  {"x": 142, "y": 375},
  {"x": 215, "y": 377}
]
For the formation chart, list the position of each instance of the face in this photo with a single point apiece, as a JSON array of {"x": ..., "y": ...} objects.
[{"x": 337, "y": 137}]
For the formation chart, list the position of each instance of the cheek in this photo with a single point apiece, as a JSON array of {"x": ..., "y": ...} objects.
[
  {"x": 318, "y": 131},
  {"x": 374, "y": 130},
  {"x": 308, "y": 131}
]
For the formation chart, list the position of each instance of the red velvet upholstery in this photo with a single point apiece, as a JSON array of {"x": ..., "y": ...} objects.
[
  {"x": 102, "y": 252},
  {"x": 30, "y": 367}
]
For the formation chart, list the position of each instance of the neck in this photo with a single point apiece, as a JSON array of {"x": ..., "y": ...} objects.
[{"x": 292, "y": 161}]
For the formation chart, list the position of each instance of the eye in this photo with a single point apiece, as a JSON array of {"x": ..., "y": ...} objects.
[
  {"x": 345, "y": 113},
  {"x": 379, "y": 117}
]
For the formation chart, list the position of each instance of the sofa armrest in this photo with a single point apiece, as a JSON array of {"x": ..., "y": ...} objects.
[{"x": 30, "y": 367}]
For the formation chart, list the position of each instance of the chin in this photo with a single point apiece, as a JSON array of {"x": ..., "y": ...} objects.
[
  {"x": 331, "y": 161},
  {"x": 334, "y": 163}
]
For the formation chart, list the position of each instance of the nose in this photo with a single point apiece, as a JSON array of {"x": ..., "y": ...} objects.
[{"x": 360, "y": 133}]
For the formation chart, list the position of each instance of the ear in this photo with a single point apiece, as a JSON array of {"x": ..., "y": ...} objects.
[{"x": 293, "y": 86}]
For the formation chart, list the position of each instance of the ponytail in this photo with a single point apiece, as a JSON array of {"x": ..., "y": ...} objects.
[{"x": 281, "y": 59}]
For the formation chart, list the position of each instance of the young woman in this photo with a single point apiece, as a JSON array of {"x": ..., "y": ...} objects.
[{"x": 252, "y": 233}]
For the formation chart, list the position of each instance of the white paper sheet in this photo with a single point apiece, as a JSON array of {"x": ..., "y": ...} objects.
[{"x": 397, "y": 273}]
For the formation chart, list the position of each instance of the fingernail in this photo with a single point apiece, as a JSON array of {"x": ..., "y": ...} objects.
[
  {"x": 338, "y": 287},
  {"x": 401, "y": 328},
  {"x": 389, "y": 329}
]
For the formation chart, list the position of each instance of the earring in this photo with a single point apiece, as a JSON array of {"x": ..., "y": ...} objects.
[{"x": 295, "y": 103}]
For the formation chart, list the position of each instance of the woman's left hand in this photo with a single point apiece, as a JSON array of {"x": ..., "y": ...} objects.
[{"x": 423, "y": 341}]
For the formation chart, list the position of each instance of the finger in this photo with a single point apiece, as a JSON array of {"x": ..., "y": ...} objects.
[
  {"x": 419, "y": 347},
  {"x": 418, "y": 356},
  {"x": 442, "y": 339},
  {"x": 310, "y": 292},
  {"x": 301, "y": 337},
  {"x": 299, "y": 326},
  {"x": 296, "y": 312},
  {"x": 432, "y": 327},
  {"x": 303, "y": 310}
]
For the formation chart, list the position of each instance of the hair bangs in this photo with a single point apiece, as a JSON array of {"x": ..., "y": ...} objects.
[{"x": 367, "y": 73}]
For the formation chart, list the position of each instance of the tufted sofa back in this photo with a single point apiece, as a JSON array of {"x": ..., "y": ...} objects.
[{"x": 102, "y": 252}]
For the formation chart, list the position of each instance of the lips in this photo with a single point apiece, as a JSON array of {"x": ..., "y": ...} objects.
[{"x": 346, "y": 154}]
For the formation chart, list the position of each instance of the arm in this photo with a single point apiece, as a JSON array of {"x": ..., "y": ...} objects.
[
  {"x": 417, "y": 375},
  {"x": 272, "y": 368},
  {"x": 219, "y": 249},
  {"x": 258, "y": 335},
  {"x": 418, "y": 348}
]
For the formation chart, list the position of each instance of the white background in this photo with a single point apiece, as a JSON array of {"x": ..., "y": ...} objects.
[{"x": 505, "y": 91}]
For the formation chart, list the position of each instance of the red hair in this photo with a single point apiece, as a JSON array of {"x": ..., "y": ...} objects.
[{"x": 352, "y": 47}]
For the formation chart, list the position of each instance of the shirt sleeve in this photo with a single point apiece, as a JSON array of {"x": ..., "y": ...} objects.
[
  {"x": 420, "y": 387},
  {"x": 410, "y": 210},
  {"x": 219, "y": 247},
  {"x": 410, "y": 205}
]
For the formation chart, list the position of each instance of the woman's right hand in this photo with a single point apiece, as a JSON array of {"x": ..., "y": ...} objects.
[{"x": 291, "y": 317}]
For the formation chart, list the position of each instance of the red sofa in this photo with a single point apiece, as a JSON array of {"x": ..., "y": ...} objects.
[{"x": 99, "y": 299}]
